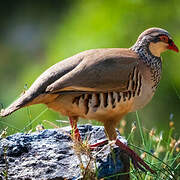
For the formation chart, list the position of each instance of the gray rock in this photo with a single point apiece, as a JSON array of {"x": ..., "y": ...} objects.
[{"x": 51, "y": 154}]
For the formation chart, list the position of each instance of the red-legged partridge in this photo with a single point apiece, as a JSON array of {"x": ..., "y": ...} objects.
[{"x": 102, "y": 84}]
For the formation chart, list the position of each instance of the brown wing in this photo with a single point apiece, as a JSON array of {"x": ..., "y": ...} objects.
[
  {"x": 93, "y": 70},
  {"x": 104, "y": 71}
]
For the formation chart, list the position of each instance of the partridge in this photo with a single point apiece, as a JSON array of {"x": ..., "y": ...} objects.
[{"x": 102, "y": 84}]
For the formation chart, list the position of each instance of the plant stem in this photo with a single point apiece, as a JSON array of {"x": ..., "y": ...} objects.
[{"x": 140, "y": 128}]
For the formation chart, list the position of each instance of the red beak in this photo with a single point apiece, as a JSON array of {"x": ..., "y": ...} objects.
[{"x": 172, "y": 46}]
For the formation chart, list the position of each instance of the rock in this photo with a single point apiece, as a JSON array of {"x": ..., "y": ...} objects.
[{"x": 51, "y": 154}]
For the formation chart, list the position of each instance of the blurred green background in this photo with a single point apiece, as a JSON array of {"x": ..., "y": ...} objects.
[{"x": 36, "y": 35}]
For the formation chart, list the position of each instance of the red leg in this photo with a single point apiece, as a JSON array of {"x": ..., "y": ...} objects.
[
  {"x": 136, "y": 160},
  {"x": 73, "y": 122},
  {"x": 98, "y": 144}
]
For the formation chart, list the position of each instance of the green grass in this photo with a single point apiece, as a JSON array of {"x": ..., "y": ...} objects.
[{"x": 160, "y": 152}]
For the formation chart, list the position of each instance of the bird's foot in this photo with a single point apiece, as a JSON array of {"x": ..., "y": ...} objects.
[{"x": 136, "y": 160}]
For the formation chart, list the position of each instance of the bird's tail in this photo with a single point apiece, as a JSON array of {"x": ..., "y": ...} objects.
[{"x": 22, "y": 101}]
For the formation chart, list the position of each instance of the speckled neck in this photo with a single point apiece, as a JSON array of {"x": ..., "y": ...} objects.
[{"x": 154, "y": 62}]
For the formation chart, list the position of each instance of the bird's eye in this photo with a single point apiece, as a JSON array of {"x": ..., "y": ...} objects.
[{"x": 164, "y": 39}]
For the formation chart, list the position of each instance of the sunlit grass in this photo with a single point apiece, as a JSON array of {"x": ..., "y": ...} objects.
[{"x": 161, "y": 153}]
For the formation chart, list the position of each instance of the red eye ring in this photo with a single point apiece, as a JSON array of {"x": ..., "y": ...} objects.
[{"x": 164, "y": 38}]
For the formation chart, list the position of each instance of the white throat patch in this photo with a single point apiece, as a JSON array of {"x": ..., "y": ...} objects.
[{"x": 157, "y": 48}]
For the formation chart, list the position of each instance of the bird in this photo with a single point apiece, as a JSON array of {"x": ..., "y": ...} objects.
[{"x": 102, "y": 84}]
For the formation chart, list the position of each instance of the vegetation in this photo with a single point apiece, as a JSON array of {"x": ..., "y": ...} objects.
[
  {"x": 161, "y": 153},
  {"x": 34, "y": 36}
]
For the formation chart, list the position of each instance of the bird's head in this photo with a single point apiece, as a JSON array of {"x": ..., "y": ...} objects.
[{"x": 158, "y": 40}]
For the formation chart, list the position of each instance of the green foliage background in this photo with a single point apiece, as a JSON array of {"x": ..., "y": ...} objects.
[{"x": 35, "y": 36}]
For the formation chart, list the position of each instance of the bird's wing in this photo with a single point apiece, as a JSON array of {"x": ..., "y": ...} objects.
[
  {"x": 93, "y": 70},
  {"x": 106, "y": 71}
]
